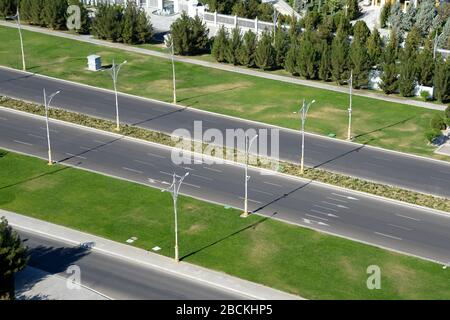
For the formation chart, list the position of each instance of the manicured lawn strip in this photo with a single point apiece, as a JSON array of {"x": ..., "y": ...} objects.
[
  {"x": 290, "y": 258},
  {"x": 380, "y": 123}
]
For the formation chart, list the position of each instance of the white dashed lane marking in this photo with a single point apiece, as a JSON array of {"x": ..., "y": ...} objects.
[
  {"x": 132, "y": 170},
  {"x": 24, "y": 143},
  {"x": 399, "y": 227},
  {"x": 406, "y": 217},
  {"x": 387, "y": 236}
]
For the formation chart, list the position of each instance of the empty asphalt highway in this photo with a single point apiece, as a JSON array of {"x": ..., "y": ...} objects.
[
  {"x": 384, "y": 223},
  {"x": 366, "y": 162},
  {"x": 114, "y": 277}
]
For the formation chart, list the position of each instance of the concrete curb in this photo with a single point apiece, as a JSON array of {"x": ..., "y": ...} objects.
[{"x": 149, "y": 259}]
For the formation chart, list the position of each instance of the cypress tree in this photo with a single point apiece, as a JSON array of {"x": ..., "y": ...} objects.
[
  {"x": 442, "y": 80},
  {"x": 220, "y": 45},
  {"x": 408, "y": 72},
  {"x": 307, "y": 57},
  {"x": 353, "y": 9},
  {"x": 281, "y": 46},
  {"x": 374, "y": 49},
  {"x": 384, "y": 15},
  {"x": 144, "y": 29},
  {"x": 265, "y": 53},
  {"x": 425, "y": 64},
  {"x": 360, "y": 64},
  {"x": 360, "y": 31},
  {"x": 130, "y": 24},
  {"x": 389, "y": 75},
  {"x": 198, "y": 40},
  {"x": 425, "y": 16},
  {"x": 290, "y": 63},
  {"x": 444, "y": 38},
  {"x": 25, "y": 10},
  {"x": 339, "y": 57},
  {"x": 35, "y": 12},
  {"x": 54, "y": 14},
  {"x": 325, "y": 63},
  {"x": 409, "y": 18},
  {"x": 233, "y": 47},
  {"x": 248, "y": 49}
]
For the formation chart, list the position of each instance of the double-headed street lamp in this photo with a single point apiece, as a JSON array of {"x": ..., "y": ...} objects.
[
  {"x": 248, "y": 144},
  {"x": 47, "y": 101},
  {"x": 173, "y": 71},
  {"x": 114, "y": 71},
  {"x": 19, "y": 27},
  {"x": 303, "y": 113},
  {"x": 174, "y": 190},
  {"x": 349, "y": 133}
]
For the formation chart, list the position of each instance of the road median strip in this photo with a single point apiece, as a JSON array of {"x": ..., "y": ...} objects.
[{"x": 291, "y": 169}]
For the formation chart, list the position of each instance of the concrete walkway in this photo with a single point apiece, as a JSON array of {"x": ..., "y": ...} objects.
[
  {"x": 152, "y": 260},
  {"x": 230, "y": 68},
  {"x": 35, "y": 284}
]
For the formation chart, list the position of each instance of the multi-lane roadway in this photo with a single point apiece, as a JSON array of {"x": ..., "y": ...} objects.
[
  {"x": 384, "y": 223},
  {"x": 366, "y": 162},
  {"x": 114, "y": 277}
]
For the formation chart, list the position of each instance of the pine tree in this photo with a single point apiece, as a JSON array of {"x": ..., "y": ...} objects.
[
  {"x": 265, "y": 53},
  {"x": 339, "y": 57},
  {"x": 198, "y": 40},
  {"x": 233, "y": 47},
  {"x": 395, "y": 17},
  {"x": 444, "y": 38},
  {"x": 325, "y": 63},
  {"x": 360, "y": 31},
  {"x": 359, "y": 63},
  {"x": 425, "y": 64},
  {"x": 190, "y": 35},
  {"x": 7, "y": 8},
  {"x": 389, "y": 75},
  {"x": 248, "y": 49},
  {"x": 409, "y": 18},
  {"x": 281, "y": 46},
  {"x": 408, "y": 74},
  {"x": 130, "y": 24},
  {"x": 353, "y": 9},
  {"x": 107, "y": 24},
  {"x": 13, "y": 258},
  {"x": 307, "y": 57},
  {"x": 290, "y": 63},
  {"x": 25, "y": 10},
  {"x": 54, "y": 14},
  {"x": 384, "y": 15},
  {"x": 374, "y": 47},
  {"x": 442, "y": 80},
  {"x": 425, "y": 16},
  {"x": 220, "y": 45},
  {"x": 144, "y": 29},
  {"x": 35, "y": 12}
]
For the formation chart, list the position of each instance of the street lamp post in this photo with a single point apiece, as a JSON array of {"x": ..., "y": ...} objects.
[
  {"x": 174, "y": 190},
  {"x": 349, "y": 134},
  {"x": 19, "y": 27},
  {"x": 304, "y": 112},
  {"x": 47, "y": 101},
  {"x": 173, "y": 72},
  {"x": 248, "y": 144},
  {"x": 115, "y": 74}
]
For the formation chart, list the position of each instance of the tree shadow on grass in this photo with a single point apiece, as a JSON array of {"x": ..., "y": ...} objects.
[
  {"x": 251, "y": 226},
  {"x": 385, "y": 127},
  {"x": 34, "y": 178},
  {"x": 3, "y": 153}
]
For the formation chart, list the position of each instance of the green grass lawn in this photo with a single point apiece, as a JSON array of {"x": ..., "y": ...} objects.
[
  {"x": 380, "y": 123},
  {"x": 290, "y": 258}
]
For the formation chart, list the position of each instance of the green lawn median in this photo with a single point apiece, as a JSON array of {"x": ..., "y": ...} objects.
[
  {"x": 290, "y": 258},
  {"x": 380, "y": 123}
]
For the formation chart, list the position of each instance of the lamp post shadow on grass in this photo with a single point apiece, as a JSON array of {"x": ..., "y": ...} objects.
[
  {"x": 208, "y": 94},
  {"x": 33, "y": 178},
  {"x": 385, "y": 127}
]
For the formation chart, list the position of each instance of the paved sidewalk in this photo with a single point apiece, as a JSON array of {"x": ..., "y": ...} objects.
[
  {"x": 230, "y": 68},
  {"x": 35, "y": 284},
  {"x": 152, "y": 260}
]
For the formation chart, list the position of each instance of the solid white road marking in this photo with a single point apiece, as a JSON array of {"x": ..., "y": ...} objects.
[
  {"x": 406, "y": 217},
  {"x": 21, "y": 142},
  {"x": 387, "y": 235},
  {"x": 132, "y": 170},
  {"x": 400, "y": 227}
]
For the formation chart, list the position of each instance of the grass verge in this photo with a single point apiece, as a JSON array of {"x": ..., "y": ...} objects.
[
  {"x": 286, "y": 257},
  {"x": 284, "y": 167},
  {"x": 380, "y": 123}
]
